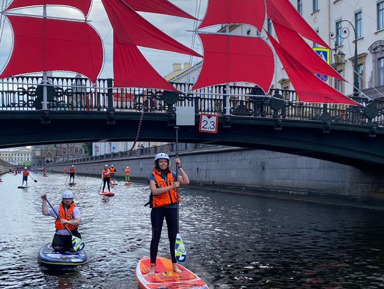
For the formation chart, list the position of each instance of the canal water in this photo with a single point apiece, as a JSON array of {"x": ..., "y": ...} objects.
[{"x": 233, "y": 241}]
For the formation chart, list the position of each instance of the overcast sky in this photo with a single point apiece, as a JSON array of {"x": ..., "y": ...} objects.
[{"x": 177, "y": 28}]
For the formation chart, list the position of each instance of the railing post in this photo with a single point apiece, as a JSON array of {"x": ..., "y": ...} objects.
[{"x": 110, "y": 109}]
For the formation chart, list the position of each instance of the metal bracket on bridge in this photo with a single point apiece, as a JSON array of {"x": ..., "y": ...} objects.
[
  {"x": 45, "y": 117},
  {"x": 327, "y": 127},
  {"x": 111, "y": 120},
  {"x": 372, "y": 131},
  {"x": 226, "y": 121},
  {"x": 278, "y": 124}
]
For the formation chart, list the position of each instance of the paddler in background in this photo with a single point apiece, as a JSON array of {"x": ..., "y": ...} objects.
[
  {"x": 164, "y": 204},
  {"x": 112, "y": 170},
  {"x": 127, "y": 174},
  {"x": 25, "y": 177},
  {"x": 106, "y": 175},
  {"x": 72, "y": 173}
]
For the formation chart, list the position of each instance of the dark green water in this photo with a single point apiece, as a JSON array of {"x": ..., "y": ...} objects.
[{"x": 232, "y": 241}]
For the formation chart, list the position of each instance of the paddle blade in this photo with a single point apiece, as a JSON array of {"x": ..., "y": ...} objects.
[
  {"x": 77, "y": 243},
  {"x": 180, "y": 252}
]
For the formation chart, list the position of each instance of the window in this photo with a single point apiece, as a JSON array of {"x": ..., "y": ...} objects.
[
  {"x": 359, "y": 24},
  {"x": 360, "y": 72},
  {"x": 381, "y": 71},
  {"x": 380, "y": 15},
  {"x": 249, "y": 32},
  {"x": 339, "y": 83},
  {"x": 300, "y": 6},
  {"x": 315, "y": 5},
  {"x": 339, "y": 39},
  {"x": 269, "y": 26}
]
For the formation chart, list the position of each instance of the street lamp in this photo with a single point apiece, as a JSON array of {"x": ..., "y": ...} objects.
[{"x": 344, "y": 34}]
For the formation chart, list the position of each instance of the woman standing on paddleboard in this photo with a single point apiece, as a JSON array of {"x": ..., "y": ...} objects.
[{"x": 164, "y": 202}]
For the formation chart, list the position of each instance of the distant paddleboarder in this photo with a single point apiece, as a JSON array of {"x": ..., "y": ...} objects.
[
  {"x": 106, "y": 175},
  {"x": 25, "y": 177},
  {"x": 72, "y": 173}
]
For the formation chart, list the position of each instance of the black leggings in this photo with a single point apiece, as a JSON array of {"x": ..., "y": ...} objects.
[
  {"x": 157, "y": 219},
  {"x": 106, "y": 181}
]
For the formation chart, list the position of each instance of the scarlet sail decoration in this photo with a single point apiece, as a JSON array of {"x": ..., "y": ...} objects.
[
  {"x": 245, "y": 52},
  {"x": 131, "y": 29},
  {"x": 130, "y": 63},
  {"x": 157, "y": 6},
  {"x": 302, "y": 52},
  {"x": 308, "y": 87},
  {"x": 82, "y": 5},
  {"x": 38, "y": 47},
  {"x": 283, "y": 12},
  {"x": 252, "y": 61},
  {"x": 237, "y": 11}
]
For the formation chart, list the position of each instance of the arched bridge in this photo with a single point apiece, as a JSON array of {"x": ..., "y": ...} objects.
[{"x": 67, "y": 111}]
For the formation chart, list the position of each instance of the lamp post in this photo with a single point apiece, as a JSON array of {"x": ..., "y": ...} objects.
[{"x": 344, "y": 35}]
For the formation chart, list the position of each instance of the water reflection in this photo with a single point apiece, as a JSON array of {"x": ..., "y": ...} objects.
[{"x": 233, "y": 241}]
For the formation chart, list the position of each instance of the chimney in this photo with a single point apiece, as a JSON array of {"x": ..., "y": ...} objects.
[
  {"x": 187, "y": 65},
  {"x": 176, "y": 66}
]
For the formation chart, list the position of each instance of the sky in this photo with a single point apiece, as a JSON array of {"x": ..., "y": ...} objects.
[{"x": 178, "y": 28}]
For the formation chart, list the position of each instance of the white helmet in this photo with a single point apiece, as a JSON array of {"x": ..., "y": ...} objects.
[
  {"x": 112, "y": 166},
  {"x": 127, "y": 167},
  {"x": 73, "y": 166},
  {"x": 67, "y": 195},
  {"x": 161, "y": 156},
  {"x": 25, "y": 168},
  {"x": 105, "y": 165}
]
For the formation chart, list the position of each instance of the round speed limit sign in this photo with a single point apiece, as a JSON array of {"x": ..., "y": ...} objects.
[{"x": 208, "y": 123}]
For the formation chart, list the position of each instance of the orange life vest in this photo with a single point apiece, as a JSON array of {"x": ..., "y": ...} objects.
[
  {"x": 128, "y": 171},
  {"x": 65, "y": 216},
  {"x": 25, "y": 173},
  {"x": 106, "y": 173},
  {"x": 72, "y": 170},
  {"x": 166, "y": 198},
  {"x": 112, "y": 170}
]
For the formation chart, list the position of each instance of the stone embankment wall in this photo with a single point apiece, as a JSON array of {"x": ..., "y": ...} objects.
[
  {"x": 4, "y": 167},
  {"x": 247, "y": 170}
]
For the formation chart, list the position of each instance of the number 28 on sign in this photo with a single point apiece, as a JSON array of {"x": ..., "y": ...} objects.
[{"x": 208, "y": 123}]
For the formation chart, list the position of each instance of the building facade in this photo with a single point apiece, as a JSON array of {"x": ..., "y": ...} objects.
[{"x": 17, "y": 156}]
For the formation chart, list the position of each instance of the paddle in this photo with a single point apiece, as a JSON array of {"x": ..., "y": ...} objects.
[
  {"x": 77, "y": 243},
  {"x": 180, "y": 252},
  {"x": 33, "y": 179}
]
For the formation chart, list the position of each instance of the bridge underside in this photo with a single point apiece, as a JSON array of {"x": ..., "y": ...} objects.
[{"x": 356, "y": 146}]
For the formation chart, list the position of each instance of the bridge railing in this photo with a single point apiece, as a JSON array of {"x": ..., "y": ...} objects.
[{"x": 24, "y": 93}]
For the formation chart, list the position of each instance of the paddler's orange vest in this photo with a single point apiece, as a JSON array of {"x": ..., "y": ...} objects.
[
  {"x": 68, "y": 216},
  {"x": 106, "y": 173},
  {"x": 72, "y": 170},
  {"x": 112, "y": 170},
  {"x": 127, "y": 171},
  {"x": 166, "y": 198},
  {"x": 25, "y": 173}
]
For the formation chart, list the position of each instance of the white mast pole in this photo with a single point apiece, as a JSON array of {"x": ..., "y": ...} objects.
[
  {"x": 45, "y": 80},
  {"x": 227, "y": 105}
]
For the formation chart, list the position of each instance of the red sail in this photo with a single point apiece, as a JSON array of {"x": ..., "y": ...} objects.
[
  {"x": 157, "y": 6},
  {"x": 229, "y": 58},
  {"x": 82, "y": 5},
  {"x": 131, "y": 69},
  {"x": 291, "y": 41},
  {"x": 308, "y": 87},
  {"x": 283, "y": 12},
  {"x": 38, "y": 47},
  {"x": 131, "y": 28},
  {"x": 235, "y": 11}
]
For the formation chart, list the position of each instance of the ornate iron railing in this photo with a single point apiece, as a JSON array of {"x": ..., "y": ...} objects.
[{"x": 24, "y": 93}]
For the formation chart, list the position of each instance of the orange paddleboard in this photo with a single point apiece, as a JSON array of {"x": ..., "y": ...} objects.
[
  {"x": 165, "y": 277},
  {"x": 108, "y": 194}
]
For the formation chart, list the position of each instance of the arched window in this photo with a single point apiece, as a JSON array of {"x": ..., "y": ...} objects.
[{"x": 377, "y": 51}]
